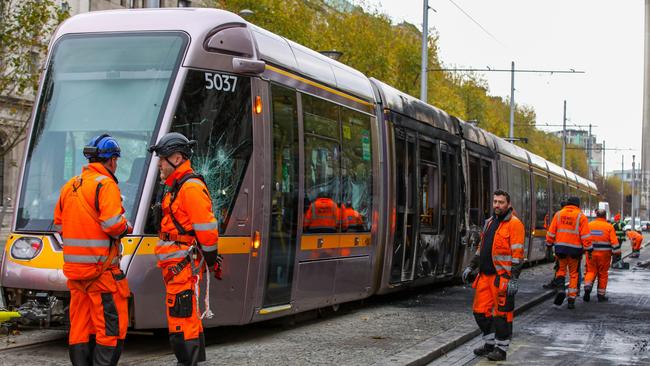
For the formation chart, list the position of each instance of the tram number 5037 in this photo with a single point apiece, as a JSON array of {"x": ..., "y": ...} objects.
[{"x": 220, "y": 82}]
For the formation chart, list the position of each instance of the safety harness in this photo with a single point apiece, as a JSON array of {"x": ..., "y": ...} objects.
[{"x": 187, "y": 237}]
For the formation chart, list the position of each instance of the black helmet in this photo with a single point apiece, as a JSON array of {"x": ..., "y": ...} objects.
[{"x": 173, "y": 142}]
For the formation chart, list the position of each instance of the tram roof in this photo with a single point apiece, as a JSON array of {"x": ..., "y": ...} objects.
[
  {"x": 506, "y": 148},
  {"x": 477, "y": 135},
  {"x": 202, "y": 23},
  {"x": 409, "y": 106},
  {"x": 538, "y": 161}
]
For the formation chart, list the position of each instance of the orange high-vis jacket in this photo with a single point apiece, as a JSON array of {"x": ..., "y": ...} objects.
[
  {"x": 192, "y": 209},
  {"x": 635, "y": 238},
  {"x": 569, "y": 231},
  {"x": 88, "y": 228},
  {"x": 322, "y": 215},
  {"x": 508, "y": 244},
  {"x": 350, "y": 218},
  {"x": 603, "y": 237}
]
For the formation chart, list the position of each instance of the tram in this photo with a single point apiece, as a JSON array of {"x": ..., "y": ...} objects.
[{"x": 278, "y": 126}]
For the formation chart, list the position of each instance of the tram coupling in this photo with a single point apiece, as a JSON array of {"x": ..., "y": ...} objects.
[{"x": 38, "y": 309}]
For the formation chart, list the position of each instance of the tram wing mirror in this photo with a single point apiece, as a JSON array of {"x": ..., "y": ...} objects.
[{"x": 248, "y": 66}]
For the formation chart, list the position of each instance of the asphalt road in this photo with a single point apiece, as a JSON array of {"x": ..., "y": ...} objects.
[{"x": 609, "y": 333}]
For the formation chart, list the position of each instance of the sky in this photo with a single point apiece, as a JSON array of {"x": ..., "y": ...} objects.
[{"x": 602, "y": 38}]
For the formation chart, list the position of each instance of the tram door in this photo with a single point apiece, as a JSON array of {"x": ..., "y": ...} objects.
[
  {"x": 404, "y": 245},
  {"x": 284, "y": 197}
]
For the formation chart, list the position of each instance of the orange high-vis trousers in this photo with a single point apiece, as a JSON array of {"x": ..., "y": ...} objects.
[
  {"x": 572, "y": 265},
  {"x": 486, "y": 298},
  {"x": 101, "y": 310},
  {"x": 598, "y": 267}
]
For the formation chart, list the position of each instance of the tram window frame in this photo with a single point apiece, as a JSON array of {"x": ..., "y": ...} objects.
[
  {"x": 215, "y": 155},
  {"x": 325, "y": 120},
  {"x": 475, "y": 190},
  {"x": 356, "y": 170},
  {"x": 486, "y": 180},
  {"x": 429, "y": 204}
]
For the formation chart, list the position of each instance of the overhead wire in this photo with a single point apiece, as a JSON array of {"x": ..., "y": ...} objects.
[{"x": 477, "y": 23}]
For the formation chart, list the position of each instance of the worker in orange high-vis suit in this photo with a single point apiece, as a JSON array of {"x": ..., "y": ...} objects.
[
  {"x": 499, "y": 260},
  {"x": 322, "y": 216},
  {"x": 605, "y": 243},
  {"x": 569, "y": 236},
  {"x": 636, "y": 239},
  {"x": 188, "y": 239},
  {"x": 89, "y": 217},
  {"x": 351, "y": 219}
]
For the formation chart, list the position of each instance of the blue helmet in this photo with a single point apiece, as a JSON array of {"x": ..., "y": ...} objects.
[{"x": 102, "y": 147}]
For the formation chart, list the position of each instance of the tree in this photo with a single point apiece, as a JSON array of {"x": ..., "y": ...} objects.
[{"x": 25, "y": 30}]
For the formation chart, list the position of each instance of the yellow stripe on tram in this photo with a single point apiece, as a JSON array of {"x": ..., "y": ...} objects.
[
  {"x": 226, "y": 245},
  {"x": 318, "y": 85}
]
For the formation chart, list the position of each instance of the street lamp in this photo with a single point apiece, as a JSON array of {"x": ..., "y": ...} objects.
[{"x": 245, "y": 13}]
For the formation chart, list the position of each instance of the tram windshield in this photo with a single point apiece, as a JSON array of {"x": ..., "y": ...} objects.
[{"x": 114, "y": 83}]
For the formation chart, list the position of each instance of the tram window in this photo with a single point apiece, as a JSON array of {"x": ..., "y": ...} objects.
[
  {"x": 525, "y": 197},
  {"x": 356, "y": 171},
  {"x": 558, "y": 195},
  {"x": 542, "y": 220},
  {"x": 428, "y": 198},
  {"x": 321, "y": 184},
  {"x": 321, "y": 117},
  {"x": 474, "y": 189},
  {"x": 221, "y": 123},
  {"x": 400, "y": 151},
  {"x": 100, "y": 83},
  {"x": 487, "y": 191},
  {"x": 428, "y": 152}
]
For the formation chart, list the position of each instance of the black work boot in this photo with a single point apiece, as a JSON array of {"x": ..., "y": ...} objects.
[
  {"x": 559, "y": 298},
  {"x": 497, "y": 355},
  {"x": 602, "y": 298},
  {"x": 484, "y": 349},
  {"x": 587, "y": 295},
  {"x": 551, "y": 285},
  {"x": 571, "y": 304}
]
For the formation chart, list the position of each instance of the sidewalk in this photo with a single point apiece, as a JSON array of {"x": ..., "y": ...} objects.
[{"x": 437, "y": 347}]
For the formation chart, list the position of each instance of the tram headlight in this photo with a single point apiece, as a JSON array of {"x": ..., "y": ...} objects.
[{"x": 26, "y": 247}]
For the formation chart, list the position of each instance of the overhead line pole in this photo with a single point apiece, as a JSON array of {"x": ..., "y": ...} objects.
[
  {"x": 564, "y": 136},
  {"x": 425, "y": 52},
  {"x": 622, "y": 190},
  {"x": 512, "y": 102}
]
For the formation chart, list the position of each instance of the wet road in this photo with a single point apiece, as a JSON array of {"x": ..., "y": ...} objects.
[{"x": 609, "y": 333}]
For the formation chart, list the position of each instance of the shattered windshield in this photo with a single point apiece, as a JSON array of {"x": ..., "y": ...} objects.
[
  {"x": 96, "y": 84},
  {"x": 215, "y": 110}
]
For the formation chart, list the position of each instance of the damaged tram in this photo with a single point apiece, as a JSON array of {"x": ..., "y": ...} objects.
[{"x": 279, "y": 127}]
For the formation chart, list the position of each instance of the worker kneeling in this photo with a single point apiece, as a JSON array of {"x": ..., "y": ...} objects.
[
  {"x": 499, "y": 260},
  {"x": 605, "y": 243},
  {"x": 89, "y": 217},
  {"x": 569, "y": 235},
  {"x": 636, "y": 239}
]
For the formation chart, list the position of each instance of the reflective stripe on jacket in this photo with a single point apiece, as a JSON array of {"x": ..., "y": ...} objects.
[
  {"x": 192, "y": 209},
  {"x": 603, "y": 236},
  {"x": 508, "y": 244},
  {"x": 569, "y": 231},
  {"x": 87, "y": 229},
  {"x": 322, "y": 215}
]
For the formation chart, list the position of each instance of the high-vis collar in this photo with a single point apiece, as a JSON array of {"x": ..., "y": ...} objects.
[
  {"x": 100, "y": 169},
  {"x": 181, "y": 171}
]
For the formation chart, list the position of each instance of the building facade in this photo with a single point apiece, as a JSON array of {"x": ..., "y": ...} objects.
[{"x": 583, "y": 139}]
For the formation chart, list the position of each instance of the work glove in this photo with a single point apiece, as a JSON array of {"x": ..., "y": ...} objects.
[
  {"x": 466, "y": 274},
  {"x": 513, "y": 287},
  {"x": 217, "y": 267}
]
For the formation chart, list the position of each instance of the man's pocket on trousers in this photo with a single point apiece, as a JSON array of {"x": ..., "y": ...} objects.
[{"x": 180, "y": 304}]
